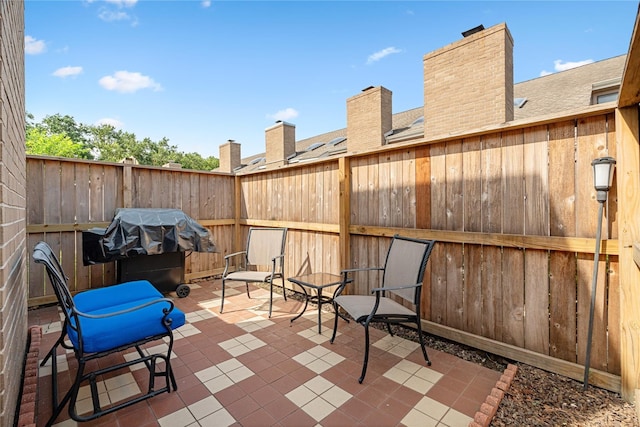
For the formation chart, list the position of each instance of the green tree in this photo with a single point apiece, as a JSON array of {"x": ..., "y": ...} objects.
[
  {"x": 39, "y": 142},
  {"x": 197, "y": 162},
  {"x": 58, "y": 124},
  {"x": 106, "y": 143}
]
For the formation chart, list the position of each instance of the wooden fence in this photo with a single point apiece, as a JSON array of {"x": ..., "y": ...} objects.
[{"x": 513, "y": 210}]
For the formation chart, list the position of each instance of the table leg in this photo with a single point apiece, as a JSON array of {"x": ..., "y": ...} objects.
[
  {"x": 319, "y": 310},
  {"x": 306, "y": 301}
]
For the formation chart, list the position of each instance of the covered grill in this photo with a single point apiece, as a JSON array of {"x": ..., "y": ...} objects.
[{"x": 148, "y": 244}]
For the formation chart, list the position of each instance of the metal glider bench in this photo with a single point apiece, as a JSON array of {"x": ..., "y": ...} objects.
[{"x": 104, "y": 321}]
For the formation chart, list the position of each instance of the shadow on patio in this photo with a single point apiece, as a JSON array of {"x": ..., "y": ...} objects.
[{"x": 241, "y": 368}]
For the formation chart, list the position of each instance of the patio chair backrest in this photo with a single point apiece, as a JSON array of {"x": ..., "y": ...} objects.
[
  {"x": 43, "y": 254},
  {"x": 264, "y": 244},
  {"x": 405, "y": 265}
]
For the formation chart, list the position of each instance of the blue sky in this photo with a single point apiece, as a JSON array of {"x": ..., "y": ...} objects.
[{"x": 202, "y": 72}]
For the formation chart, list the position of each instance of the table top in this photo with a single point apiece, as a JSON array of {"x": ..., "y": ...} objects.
[{"x": 317, "y": 280}]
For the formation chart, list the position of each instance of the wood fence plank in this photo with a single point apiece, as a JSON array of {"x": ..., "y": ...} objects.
[
  {"x": 96, "y": 213},
  {"x": 439, "y": 284},
  {"x": 536, "y": 209},
  {"x": 491, "y": 214},
  {"x": 35, "y": 191},
  {"x": 371, "y": 186},
  {"x": 395, "y": 189},
  {"x": 423, "y": 188},
  {"x": 409, "y": 189},
  {"x": 536, "y": 301},
  {"x": 472, "y": 220},
  {"x": 513, "y": 222},
  {"x": 613, "y": 318},
  {"x": 611, "y": 225},
  {"x": 53, "y": 192},
  {"x": 472, "y": 184},
  {"x": 384, "y": 197},
  {"x": 454, "y": 211},
  {"x": 68, "y": 194},
  {"x": 562, "y": 195},
  {"x": 438, "y": 222},
  {"x": 362, "y": 210},
  {"x": 423, "y": 216},
  {"x": 82, "y": 202},
  {"x": 591, "y": 144},
  {"x": 562, "y": 306},
  {"x": 305, "y": 199},
  {"x": 38, "y": 285},
  {"x": 492, "y": 293},
  {"x": 473, "y": 310},
  {"x": 331, "y": 213}
]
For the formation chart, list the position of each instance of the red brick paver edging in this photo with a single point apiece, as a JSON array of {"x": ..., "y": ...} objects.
[
  {"x": 489, "y": 408},
  {"x": 28, "y": 408}
]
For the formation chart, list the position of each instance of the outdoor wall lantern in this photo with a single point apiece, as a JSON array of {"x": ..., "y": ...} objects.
[{"x": 602, "y": 180}]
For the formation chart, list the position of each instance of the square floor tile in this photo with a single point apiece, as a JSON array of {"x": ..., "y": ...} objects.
[
  {"x": 242, "y": 344},
  {"x": 396, "y": 345},
  {"x": 318, "y": 359},
  {"x": 454, "y": 418},
  {"x": 181, "y": 418},
  {"x": 254, "y": 324}
]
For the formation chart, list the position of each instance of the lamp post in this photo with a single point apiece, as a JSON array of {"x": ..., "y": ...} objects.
[{"x": 602, "y": 179}]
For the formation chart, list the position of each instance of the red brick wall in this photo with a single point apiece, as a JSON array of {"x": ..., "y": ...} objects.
[{"x": 13, "y": 288}]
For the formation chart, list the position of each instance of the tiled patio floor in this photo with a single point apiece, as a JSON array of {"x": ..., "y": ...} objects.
[{"x": 241, "y": 368}]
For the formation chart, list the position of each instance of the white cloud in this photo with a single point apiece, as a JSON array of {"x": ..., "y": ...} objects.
[
  {"x": 127, "y": 82},
  {"x": 67, "y": 72},
  {"x": 111, "y": 122},
  {"x": 110, "y": 15},
  {"x": 122, "y": 3},
  {"x": 381, "y": 54},
  {"x": 33, "y": 46},
  {"x": 559, "y": 65},
  {"x": 206, "y": 3},
  {"x": 286, "y": 114}
]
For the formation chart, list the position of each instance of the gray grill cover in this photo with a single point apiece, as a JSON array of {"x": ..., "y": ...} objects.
[{"x": 140, "y": 231}]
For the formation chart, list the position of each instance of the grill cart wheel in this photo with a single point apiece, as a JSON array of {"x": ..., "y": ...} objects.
[{"x": 183, "y": 291}]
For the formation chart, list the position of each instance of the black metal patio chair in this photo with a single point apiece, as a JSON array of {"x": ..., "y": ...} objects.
[
  {"x": 261, "y": 262},
  {"x": 402, "y": 277}
]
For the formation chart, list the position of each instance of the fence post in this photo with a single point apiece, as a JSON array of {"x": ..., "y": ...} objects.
[
  {"x": 237, "y": 213},
  {"x": 344, "y": 176},
  {"x": 127, "y": 186},
  {"x": 628, "y": 186}
]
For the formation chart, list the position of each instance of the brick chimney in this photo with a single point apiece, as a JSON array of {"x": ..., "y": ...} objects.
[
  {"x": 229, "y": 156},
  {"x": 368, "y": 119},
  {"x": 469, "y": 83},
  {"x": 281, "y": 143}
]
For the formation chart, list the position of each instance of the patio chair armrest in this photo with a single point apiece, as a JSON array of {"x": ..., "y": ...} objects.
[
  {"x": 345, "y": 281},
  {"x": 394, "y": 288},
  {"x": 234, "y": 254},
  {"x": 226, "y": 261},
  {"x": 128, "y": 310},
  {"x": 354, "y": 270}
]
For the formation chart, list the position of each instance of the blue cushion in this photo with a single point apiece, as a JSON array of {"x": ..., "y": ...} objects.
[
  {"x": 109, "y": 296},
  {"x": 122, "y": 329}
]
